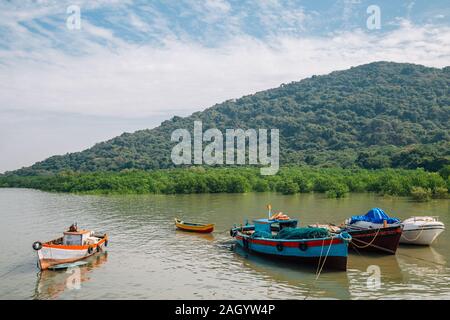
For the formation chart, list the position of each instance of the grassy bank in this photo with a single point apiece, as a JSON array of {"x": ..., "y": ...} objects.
[{"x": 335, "y": 183}]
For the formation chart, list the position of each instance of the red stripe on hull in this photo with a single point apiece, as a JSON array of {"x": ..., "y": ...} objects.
[
  {"x": 197, "y": 231},
  {"x": 386, "y": 241},
  {"x": 293, "y": 244},
  {"x": 337, "y": 263}
]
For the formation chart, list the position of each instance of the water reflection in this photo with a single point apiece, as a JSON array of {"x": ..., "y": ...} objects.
[
  {"x": 51, "y": 284},
  {"x": 424, "y": 254},
  {"x": 412, "y": 273},
  {"x": 388, "y": 264},
  {"x": 426, "y": 273},
  {"x": 152, "y": 260},
  {"x": 300, "y": 279},
  {"x": 192, "y": 236}
]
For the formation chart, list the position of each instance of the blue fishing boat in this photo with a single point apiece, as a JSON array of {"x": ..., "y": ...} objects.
[{"x": 281, "y": 239}]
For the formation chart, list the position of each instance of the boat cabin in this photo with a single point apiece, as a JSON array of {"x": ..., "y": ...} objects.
[
  {"x": 76, "y": 238},
  {"x": 266, "y": 225}
]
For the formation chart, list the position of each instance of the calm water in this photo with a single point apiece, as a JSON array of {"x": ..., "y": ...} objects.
[{"x": 148, "y": 259}]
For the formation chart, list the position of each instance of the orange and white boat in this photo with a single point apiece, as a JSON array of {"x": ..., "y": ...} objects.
[{"x": 75, "y": 244}]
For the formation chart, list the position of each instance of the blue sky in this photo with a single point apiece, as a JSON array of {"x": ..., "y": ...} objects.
[{"x": 133, "y": 64}]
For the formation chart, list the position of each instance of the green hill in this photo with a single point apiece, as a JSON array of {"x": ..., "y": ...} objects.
[{"x": 377, "y": 115}]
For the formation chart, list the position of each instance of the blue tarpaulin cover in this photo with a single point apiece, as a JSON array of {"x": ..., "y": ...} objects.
[{"x": 375, "y": 215}]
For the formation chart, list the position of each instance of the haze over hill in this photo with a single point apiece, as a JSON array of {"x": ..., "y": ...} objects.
[{"x": 377, "y": 115}]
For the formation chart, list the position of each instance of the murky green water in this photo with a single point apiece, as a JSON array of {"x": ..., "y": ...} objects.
[{"x": 148, "y": 259}]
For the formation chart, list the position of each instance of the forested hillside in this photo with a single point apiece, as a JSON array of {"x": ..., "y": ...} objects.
[{"x": 377, "y": 115}]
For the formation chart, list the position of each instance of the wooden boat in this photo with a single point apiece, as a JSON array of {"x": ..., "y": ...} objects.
[
  {"x": 382, "y": 240},
  {"x": 421, "y": 230},
  {"x": 263, "y": 237},
  {"x": 375, "y": 231},
  {"x": 75, "y": 245},
  {"x": 194, "y": 227}
]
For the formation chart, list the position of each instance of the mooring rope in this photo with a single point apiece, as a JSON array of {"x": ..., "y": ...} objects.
[
  {"x": 418, "y": 236},
  {"x": 12, "y": 270},
  {"x": 432, "y": 262},
  {"x": 362, "y": 257},
  {"x": 319, "y": 271},
  {"x": 326, "y": 256},
  {"x": 320, "y": 258},
  {"x": 367, "y": 244},
  {"x": 375, "y": 246}
]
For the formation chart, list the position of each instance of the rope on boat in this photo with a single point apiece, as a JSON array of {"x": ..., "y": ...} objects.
[
  {"x": 320, "y": 258},
  {"x": 357, "y": 251},
  {"x": 319, "y": 271},
  {"x": 7, "y": 272},
  {"x": 375, "y": 246},
  {"x": 221, "y": 231},
  {"x": 12, "y": 270},
  {"x": 418, "y": 236},
  {"x": 310, "y": 288},
  {"x": 421, "y": 259},
  {"x": 400, "y": 254},
  {"x": 366, "y": 244},
  {"x": 326, "y": 256}
]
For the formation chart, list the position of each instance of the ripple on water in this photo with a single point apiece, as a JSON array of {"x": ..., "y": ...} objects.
[{"x": 149, "y": 259}]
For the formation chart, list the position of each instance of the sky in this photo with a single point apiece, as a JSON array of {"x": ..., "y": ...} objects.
[{"x": 74, "y": 73}]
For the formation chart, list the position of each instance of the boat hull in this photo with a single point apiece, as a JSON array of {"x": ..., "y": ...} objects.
[
  {"x": 382, "y": 240},
  {"x": 421, "y": 236},
  {"x": 203, "y": 230},
  {"x": 50, "y": 255},
  {"x": 331, "y": 253},
  {"x": 207, "y": 228}
]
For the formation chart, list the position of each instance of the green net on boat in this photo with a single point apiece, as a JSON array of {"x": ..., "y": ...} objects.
[
  {"x": 302, "y": 233},
  {"x": 294, "y": 233}
]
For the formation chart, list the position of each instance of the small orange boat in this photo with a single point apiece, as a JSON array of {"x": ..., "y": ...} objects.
[{"x": 194, "y": 227}]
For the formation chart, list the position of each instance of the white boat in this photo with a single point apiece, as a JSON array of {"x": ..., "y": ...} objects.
[
  {"x": 421, "y": 230},
  {"x": 73, "y": 246}
]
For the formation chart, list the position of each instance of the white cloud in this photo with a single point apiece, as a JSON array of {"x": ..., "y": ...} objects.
[
  {"x": 134, "y": 81},
  {"x": 286, "y": 16},
  {"x": 218, "y": 5},
  {"x": 96, "y": 73},
  {"x": 138, "y": 24}
]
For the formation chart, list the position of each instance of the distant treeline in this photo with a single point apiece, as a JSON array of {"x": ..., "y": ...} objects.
[{"x": 335, "y": 183}]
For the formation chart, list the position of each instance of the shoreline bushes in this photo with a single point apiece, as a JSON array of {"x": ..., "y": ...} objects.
[
  {"x": 333, "y": 182},
  {"x": 421, "y": 194}
]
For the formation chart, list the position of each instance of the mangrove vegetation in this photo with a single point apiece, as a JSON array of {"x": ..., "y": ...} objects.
[{"x": 334, "y": 183}]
